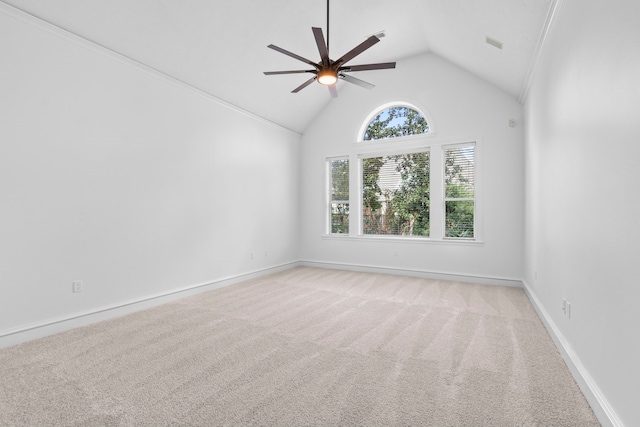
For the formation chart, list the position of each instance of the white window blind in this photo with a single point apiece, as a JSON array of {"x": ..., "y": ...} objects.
[
  {"x": 339, "y": 196},
  {"x": 395, "y": 194},
  {"x": 459, "y": 181}
]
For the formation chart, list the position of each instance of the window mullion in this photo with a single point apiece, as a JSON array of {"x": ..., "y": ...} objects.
[
  {"x": 437, "y": 193},
  {"x": 355, "y": 195}
]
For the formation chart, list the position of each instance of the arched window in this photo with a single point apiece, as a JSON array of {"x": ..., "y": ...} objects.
[
  {"x": 384, "y": 189},
  {"x": 395, "y": 121}
]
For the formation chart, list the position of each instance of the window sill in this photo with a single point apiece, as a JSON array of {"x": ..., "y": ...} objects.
[{"x": 397, "y": 239}]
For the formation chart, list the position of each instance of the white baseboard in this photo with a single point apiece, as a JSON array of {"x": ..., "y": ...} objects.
[
  {"x": 601, "y": 407},
  {"x": 469, "y": 278},
  {"x": 54, "y": 326}
]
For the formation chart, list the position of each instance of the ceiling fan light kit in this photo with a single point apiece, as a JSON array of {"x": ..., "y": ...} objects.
[
  {"x": 327, "y": 71},
  {"x": 327, "y": 77}
]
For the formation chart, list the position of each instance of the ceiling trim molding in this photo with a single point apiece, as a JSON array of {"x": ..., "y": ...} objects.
[
  {"x": 103, "y": 50},
  {"x": 533, "y": 66}
]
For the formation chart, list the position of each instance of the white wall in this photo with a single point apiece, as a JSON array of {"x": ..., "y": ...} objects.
[
  {"x": 114, "y": 175},
  {"x": 582, "y": 200},
  {"x": 461, "y": 108}
]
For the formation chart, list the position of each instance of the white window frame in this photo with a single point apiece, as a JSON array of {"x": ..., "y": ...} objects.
[
  {"x": 431, "y": 142},
  {"x": 365, "y": 124},
  {"x": 329, "y": 196},
  {"x": 445, "y": 199},
  {"x": 437, "y": 182},
  {"x": 359, "y": 179}
]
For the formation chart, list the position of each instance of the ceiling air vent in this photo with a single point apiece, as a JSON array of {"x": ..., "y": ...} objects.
[{"x": 494, "y": 43}]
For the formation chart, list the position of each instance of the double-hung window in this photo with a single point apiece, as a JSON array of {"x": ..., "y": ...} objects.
[
  {"x": 338, "y": 196},
  {"x": 395, "y": 194},
  {"x": 459, "y": 191}
]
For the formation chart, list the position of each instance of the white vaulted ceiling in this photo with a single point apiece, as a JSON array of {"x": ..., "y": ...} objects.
[{"x": 220, "y": 46}]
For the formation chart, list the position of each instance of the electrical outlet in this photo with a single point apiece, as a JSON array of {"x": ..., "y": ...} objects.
[{"x": 77, "y": 286}]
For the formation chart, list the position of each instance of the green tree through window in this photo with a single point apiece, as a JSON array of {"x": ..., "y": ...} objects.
[
  {"x": 396, "y": 186},
  {"x": 339, "y": 206},
  {"x": 459, "y": 191},
  {"x": 394, "y": 122},
  {"x": 396, "y": 194},
  {"x": 395, "y": 189}
]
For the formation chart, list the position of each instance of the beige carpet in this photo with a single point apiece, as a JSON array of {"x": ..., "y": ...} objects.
[{"x": 303, "y": 347}]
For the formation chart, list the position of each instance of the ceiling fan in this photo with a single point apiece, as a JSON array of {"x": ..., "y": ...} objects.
[{"x": 328, "y": 71}]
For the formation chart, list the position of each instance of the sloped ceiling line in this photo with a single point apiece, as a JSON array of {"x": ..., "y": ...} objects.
[
  {"x": 218, "y": 51},
  {"x": 103, "y": 50},
  {"x": 533, "y": 66}
]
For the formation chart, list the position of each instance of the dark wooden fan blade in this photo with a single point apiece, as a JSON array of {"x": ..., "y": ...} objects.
[
  {"x": 367, "y": 67},
  {"x": 293, "y": 55},
  {"x": 333, "y": 91},
  {"x": 322, "y": 45},
  {"x": 355, "y": 81},
  {"x": 271, "y": 73},
  {"x": 303, "y": 85},
  {"x": 357, "y": 50}
]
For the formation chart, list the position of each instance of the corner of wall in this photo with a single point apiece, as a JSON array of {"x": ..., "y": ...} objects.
[{"x": 599, "y": 403}]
